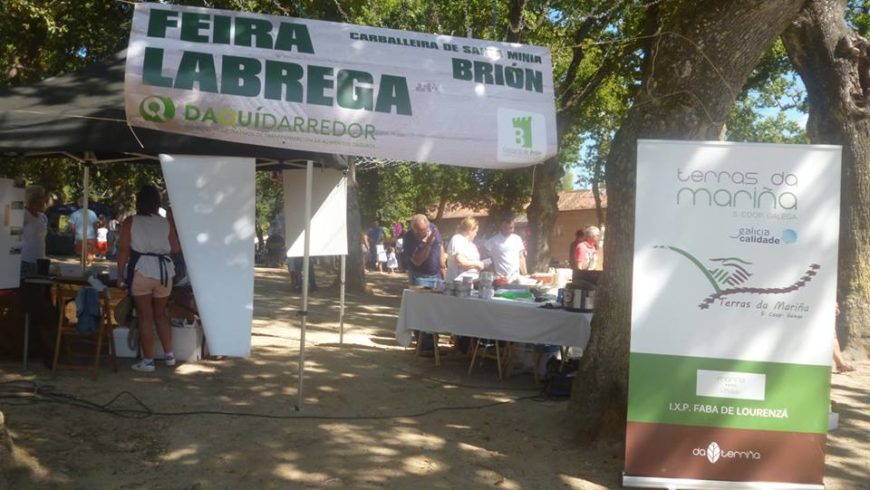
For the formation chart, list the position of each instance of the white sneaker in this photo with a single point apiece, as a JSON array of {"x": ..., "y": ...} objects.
[
  {"x": 144, "y": 367},
  {"x": 169, "y": 360}
]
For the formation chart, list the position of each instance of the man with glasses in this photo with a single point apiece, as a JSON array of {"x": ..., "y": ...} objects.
[
  {"x": 421, "y": 246},
  {"x": 422, "y": 250}
]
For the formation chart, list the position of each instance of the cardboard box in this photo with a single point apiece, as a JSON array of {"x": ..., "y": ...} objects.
[{"x": 186, "y": 342}]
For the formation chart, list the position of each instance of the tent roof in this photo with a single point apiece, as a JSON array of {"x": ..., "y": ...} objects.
[{"x": 83, "y": 112}]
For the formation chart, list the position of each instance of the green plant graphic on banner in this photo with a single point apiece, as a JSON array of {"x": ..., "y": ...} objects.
[
  {"x": 157, "y": 109},
  {"x": 727, "y": 273},
  {"x": 523, "y": 131}
]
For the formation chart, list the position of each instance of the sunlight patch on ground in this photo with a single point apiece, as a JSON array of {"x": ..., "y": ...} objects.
[
  {"x": 491, "y": 477},
  {"x": 579, "y": 484},
  {"x": 383, "y": 451},
  {"x": 407, "y": 436},
  {"x": 456, "y": 426},
  {"x": 181, "y": 453},
  {"x": 481, "y": 452},
  {"x": 421, "y": 465},
  {"x": 194, "y": 368},
  {"x": 294, "y": 474}
]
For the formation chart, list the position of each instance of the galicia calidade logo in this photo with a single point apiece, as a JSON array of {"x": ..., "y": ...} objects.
[
  {"x": 763, "y": 236},
  {"x": 789, "y": 236},
  {"x": 714, "y": 453},
  {"x": 157, "y": 109}
]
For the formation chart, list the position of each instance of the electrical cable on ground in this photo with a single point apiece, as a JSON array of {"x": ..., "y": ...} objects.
[{"x": 29, "y": 393}]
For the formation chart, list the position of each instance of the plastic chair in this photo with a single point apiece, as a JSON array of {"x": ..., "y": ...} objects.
[{"x": 66, "y": 330}]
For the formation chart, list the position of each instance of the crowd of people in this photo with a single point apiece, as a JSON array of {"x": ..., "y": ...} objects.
[
  {"x": 420, "y": 250},
  {"x": 146, "y": 247}
]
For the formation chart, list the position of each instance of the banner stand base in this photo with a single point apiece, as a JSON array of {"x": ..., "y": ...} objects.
[{"x": 687, "y": 483}]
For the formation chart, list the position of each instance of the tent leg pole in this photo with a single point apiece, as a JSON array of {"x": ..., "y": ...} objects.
[
  {"x": 309, "y": 175},
  {"x": 86, "y": 184},
  {"x": 341, "y": 300}
]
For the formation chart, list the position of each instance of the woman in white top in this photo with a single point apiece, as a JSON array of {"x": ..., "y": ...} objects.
[
  {"x": 146, "y": 241},
  {"x": 34, "y": 230},
  {"x": 462, "y": 254}
]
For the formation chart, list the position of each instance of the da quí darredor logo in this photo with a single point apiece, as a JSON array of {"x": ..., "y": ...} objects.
[{"x": 157, "y": 109}]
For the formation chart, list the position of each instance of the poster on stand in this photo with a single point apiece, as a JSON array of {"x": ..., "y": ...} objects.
[
  {"x": 12, "y": 205},
  {"x": 328, "y": 212},
  {"x": 733, "y": 311}
]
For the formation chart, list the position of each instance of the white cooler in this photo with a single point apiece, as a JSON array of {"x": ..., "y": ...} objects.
[{"x": 186, "y": 342}]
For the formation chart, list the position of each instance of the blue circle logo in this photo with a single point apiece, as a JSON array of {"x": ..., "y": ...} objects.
[{"x": 789, "y": 236}]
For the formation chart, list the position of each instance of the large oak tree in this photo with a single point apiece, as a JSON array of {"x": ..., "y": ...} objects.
[
  {"x": 697, "y": 60},
  {"x": 834, "y": 63}
]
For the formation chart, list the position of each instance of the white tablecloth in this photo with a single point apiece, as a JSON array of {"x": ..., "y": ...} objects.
[{"x": 490, "y": 319}]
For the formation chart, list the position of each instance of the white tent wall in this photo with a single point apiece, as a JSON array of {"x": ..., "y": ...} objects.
[{"x": 213, "y": 204}]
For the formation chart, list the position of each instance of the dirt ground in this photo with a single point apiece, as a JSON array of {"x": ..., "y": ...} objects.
[{"x": 375, "y": 416}]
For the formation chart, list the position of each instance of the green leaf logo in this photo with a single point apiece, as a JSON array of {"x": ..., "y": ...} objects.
[{"x": 157, "y": 109}]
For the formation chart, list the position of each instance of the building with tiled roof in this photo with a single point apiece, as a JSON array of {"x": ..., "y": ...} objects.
[{"x": 576, "y": 211}]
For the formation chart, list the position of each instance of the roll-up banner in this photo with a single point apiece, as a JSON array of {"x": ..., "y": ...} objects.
[
  {"x": 733, "y": 307},
  {"x": 339, "y": 88}
]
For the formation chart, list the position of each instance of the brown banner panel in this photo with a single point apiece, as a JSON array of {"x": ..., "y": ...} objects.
[{"x": 711, "y": 453}]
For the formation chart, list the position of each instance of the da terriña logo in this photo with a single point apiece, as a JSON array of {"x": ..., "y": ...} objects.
[
  {"x": 157, "y": 109},
  {"x": 727, "y": 274},
  {"x": 714, "y": 453}
]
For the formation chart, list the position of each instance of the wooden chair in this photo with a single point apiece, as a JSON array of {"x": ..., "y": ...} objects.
[
  {"x": 67, "y": 333},
  {"x": 419, "y": 345},
  {"x": 487, "y": 346}
]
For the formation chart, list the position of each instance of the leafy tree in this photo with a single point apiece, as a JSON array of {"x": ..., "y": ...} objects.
[
  {"x": 686, "y": 93},
  {"x": 833, "y": 58}
]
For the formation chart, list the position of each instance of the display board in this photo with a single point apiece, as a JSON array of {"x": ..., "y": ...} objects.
[
  {"x": 212, "y": 202},
  {"x": 733, "y": 310},
  {"x": 12, "y": 205},
  {"x": 339, "y": 88},
  {"x": 328, "y": 212}
]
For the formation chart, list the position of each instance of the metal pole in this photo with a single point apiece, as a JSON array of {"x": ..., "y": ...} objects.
[
  {"x": 309, "y": 175},
  {"x": 341, "y": 300},
  {"x": 85, "y": 185}
]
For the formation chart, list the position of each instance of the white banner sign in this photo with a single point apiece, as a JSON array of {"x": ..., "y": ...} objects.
[
  {"x": 733, "y": 305},
  {"x": 328, "y": 212},
  {"x": 339, "y": 88}
]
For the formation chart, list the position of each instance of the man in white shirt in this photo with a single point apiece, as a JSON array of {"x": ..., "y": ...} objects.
[
  {"x": 77, "y": 225},
  {"x": 507, "y": 251}
]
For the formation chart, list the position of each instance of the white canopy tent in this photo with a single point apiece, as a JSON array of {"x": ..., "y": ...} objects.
[{"x": 338, "y": 88}]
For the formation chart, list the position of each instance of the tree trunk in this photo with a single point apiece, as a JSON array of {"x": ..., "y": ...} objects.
[
  {"x": 542, "y": 212},
  {"x": 700, "y": 58},
  {"x": 830, "y": 57},
  {"x": 355, "y": 280}
]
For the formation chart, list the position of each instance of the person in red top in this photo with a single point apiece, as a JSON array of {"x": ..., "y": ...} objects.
[
  {"x": 586, "y": 252},
  {"x": 572, "y": 249}
]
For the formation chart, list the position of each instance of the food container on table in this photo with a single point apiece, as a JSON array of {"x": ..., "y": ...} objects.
[
  {"x": 568, "y": 296},
  {"x": 588, "y": 300},
  {"x": 577, "y": 300}
]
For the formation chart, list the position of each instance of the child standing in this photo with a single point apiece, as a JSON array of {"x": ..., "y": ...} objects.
[
  {"x": 102, "y": 237},
  {"x": 392, "y": 261}
]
